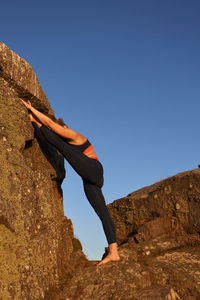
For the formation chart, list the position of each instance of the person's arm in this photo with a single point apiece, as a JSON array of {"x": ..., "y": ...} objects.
[{"x": 63, "y": 131}]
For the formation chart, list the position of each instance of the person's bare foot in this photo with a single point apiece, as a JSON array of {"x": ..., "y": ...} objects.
[
  {"x": 113, "y": 255},
  {"x": 110, "y": 257}
]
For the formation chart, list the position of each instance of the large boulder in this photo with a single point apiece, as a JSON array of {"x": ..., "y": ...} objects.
[
  {"x": 37, "y": 246},
  {"x": 175, "y": 199}
]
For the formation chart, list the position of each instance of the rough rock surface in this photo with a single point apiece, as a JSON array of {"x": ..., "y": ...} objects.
[
  {"x": 158, "y": 235},
  {"x": 37, "y": 245},
  {"x": 157, "y": 227}
]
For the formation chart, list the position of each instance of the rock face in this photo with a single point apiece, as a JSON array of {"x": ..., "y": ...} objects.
[
  {"x": 37, "y": 246},
  {"x": 158, "y": 235},
  {"x": 175, "y": 200},
  {"x": 158, "y": 227}
]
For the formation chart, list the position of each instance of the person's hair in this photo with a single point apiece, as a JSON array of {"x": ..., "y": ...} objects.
[{"x": 61, "y": 122}]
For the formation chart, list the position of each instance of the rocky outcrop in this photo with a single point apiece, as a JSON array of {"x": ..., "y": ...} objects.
[
  {"x": 158, "y": 234},
  {"x": 37, "y": 246},
  {"x": 158, "y": 227},
  {"x": 175, "y": 200}
]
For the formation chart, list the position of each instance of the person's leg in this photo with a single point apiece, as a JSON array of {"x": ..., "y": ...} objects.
[
  {"x": 95, "y": 197},
  {"x": 88, "y": 168}
]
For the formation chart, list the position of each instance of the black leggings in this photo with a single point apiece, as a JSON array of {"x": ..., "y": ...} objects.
[{"x": 91, "y": 172}]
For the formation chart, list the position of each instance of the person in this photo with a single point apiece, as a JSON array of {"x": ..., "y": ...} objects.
[{"x": 80, "y": 154}]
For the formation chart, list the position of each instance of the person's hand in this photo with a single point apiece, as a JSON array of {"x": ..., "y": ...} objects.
[{"x": 27, "y": 104}]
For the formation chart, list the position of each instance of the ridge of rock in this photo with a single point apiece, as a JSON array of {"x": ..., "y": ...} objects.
[
  {"x": 20, "y": 75},
  {"x": 176, "y": 197}
]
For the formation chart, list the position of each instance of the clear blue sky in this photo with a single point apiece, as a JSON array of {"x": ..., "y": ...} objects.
[{"x": 126, "y": 75}]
